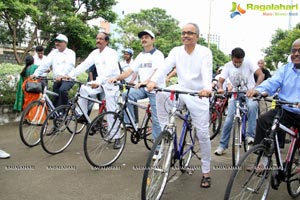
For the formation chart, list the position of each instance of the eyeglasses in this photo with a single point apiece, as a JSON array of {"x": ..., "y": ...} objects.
[
  {"x": 188, "y": 33},
  {"x": 295, "y": 50}
]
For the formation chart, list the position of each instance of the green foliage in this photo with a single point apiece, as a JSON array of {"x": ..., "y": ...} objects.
[
  {"x": 22, "y": 20},
  {"x": 280, "y": 48},
  {"x": 9, "y": 76}
]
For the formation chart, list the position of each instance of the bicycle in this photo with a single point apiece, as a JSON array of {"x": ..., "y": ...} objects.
[
  {"x": 239, "y": 126},
  {"x": 60, "y": 126},
  {"x": 255, "y": 172},
  {"x": 98, "y": 140},
  {"x": 216, "y": 109},
  {"x": 34, "y": 115},
  {"x": 170, "y": 149}
]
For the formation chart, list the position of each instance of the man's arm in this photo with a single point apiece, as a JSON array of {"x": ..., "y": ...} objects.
[{"x": 260, "y": 76}]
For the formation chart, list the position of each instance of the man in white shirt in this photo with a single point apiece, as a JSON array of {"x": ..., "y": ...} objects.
[
  {"x": 240, "y": 72},
  {"x": 146, "y": 63},
  {"x": 125, "y": 64},
  {"x": 106, "y": 61},
  {"x": 38, "y": 59},
  {"x": 62, "y": 59},
  {"x": 194, "y": 71}
]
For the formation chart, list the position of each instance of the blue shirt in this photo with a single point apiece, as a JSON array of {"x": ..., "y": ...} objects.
[{"x": 287, "y": 81}]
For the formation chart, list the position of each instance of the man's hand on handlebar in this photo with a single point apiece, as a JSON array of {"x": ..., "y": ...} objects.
[{"x": 151, "y": 85}]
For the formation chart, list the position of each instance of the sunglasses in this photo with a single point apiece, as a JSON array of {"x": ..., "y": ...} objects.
[
  {"x": 295, "y": 50},
  {"x": 188, "y": 33}
]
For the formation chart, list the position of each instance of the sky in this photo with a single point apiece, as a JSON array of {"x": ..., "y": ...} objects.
[{"x": 251, "y": 31}]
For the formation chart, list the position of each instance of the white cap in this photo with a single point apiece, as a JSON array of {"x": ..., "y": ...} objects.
[
  {"x": 62, "y": 37},
  {"x": 146, "y": 32}
]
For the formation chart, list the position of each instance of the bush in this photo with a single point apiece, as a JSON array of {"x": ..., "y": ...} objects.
[{"x": 9, "y": 77}]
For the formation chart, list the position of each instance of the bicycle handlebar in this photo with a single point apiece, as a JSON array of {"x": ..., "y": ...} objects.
[{"x": 179, "y": 92}]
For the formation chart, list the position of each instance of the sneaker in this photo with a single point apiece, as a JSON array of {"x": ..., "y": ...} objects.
[
  {"x": 117, "y": 144},
  {"x": 219, "y": 151},
  {"x": 249, "y": 140},
  {"x": 156, "y": 156},
  {"x": 4, "y": 155}
]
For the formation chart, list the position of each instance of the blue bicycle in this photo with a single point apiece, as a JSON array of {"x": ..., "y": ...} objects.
[{"x": 170, "y": 150}]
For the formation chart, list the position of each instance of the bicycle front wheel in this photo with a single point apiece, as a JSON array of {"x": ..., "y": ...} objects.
[
  {"x": 250, "y": 178},
  {"x": 215, "y": 122},
  {"x": 293, "y": 183},
  {"x": 157, "y": 170},
  {"x": 187, "y": 149},
  {"x": 57, "y": 133},
  {"x": 100, "y": 140},
  {"x": 236, "y": 141},
  {"x": 147, "y": 133},
  {"x": 31, "y": 122}
]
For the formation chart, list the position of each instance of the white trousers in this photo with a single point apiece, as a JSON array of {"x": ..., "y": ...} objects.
[
  {"x": 199, "y": 111},
  {"x": 111, "y": 94}
]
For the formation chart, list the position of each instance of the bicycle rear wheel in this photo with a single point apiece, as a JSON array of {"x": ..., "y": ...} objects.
[
  {"x": 293, "y": 174},
  {"x": 147, "y": 133},
  {"x": 31, "y": 122},
  {"x": 215, "y": 122},
  {"x": 157, "y": 171},
  {"x": 187, "y": 149},
  {"x": 57, "y": 134},
  {"x": 249, "y": 179},
  {"x": 100, "y": 137}
]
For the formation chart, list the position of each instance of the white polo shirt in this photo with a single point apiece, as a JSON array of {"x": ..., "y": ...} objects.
[{"x": 146, "y": 63}]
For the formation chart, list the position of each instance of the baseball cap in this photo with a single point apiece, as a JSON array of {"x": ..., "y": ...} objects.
[
  {"x": 146, "y": 32},
  {"x": 62, "y": 37},
  {"x": 128, "y": 50}
]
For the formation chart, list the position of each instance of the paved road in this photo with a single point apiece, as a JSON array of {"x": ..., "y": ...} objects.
[{"x": 32, "y": 174}]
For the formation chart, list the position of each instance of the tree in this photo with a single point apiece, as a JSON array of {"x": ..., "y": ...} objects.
[
  {"x": 163, "y": 26},
  {"x": 280, "y": 46},
  {"x": 32, "y": 22}
]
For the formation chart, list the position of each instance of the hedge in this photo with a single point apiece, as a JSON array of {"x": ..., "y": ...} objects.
[{"x": 9, "y": 76}]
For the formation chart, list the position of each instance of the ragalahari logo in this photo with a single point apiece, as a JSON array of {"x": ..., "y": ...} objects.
[{"x": 236, "y": 10}]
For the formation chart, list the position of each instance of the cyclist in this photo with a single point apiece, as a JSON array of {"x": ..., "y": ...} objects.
[
  {"x": 146, "y": 63},
  {"x": 241, "y": 74},
  {"x": 62, "y": 59},
  {"x": 194, "y": 70},
  {"x": 286, "y": 82},
  {"x": 106, "y": 62}
]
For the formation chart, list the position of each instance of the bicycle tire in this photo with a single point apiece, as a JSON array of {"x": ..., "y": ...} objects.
[
  {"x": 247, "y": 179},
  {"x": 147, "y": 133},
  {"x": 236, "y": 143},
  {"x": 29, "y": 129},
  {"x": 215, "y": 122},
  {"x": 55, "y": 134},
  {"x": 98, "y": 141},
  {"x": 293, "y": 182},
  {"x": 187, "y": 149},
  {"x": 153, "y": 188}
]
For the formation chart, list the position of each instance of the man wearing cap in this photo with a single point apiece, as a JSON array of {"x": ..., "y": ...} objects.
[
  {"x": 125, "y": 64},
  {"x": 62, "y": 59},
  {"x": 145, "y": 64},
  {"x": 106, "y": 61}
]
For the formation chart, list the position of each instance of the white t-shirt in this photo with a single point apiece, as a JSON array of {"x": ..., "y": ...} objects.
[
  {"x": 38, "y": 61},
  {"x": 242, "y": 76},
  {"x": 146, "y": 63}
]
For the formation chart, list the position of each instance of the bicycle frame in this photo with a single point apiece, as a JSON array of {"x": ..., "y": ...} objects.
[{"x": 241, "y": 114}]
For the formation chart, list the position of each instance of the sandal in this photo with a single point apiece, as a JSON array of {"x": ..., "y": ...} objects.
[{"x": 205, "y": 182}]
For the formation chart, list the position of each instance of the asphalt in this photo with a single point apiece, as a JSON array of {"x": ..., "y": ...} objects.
[{"x": 32, "y": 174}]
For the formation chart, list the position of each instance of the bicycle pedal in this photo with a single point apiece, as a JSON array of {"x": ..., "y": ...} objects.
[{"x": 275, "y": 180}]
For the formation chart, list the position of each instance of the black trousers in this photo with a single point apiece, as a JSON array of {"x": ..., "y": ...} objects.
[
  {"x": 264, "y": 123},
  {"x": 62, "y": 88}
]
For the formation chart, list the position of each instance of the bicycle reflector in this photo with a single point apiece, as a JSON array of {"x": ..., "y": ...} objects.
[
  {"x": 273, "y": 104},
  {"x": 172, "y": 95}
]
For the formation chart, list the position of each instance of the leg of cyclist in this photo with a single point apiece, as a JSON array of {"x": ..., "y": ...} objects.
[
  {"x": 225, "y": 135},
  {"x": 200, "y": 118},
  {"x": 252, "y": 115}
]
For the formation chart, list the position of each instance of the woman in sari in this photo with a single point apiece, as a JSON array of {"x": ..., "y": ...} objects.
[{"x": 23, "y": 98}]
